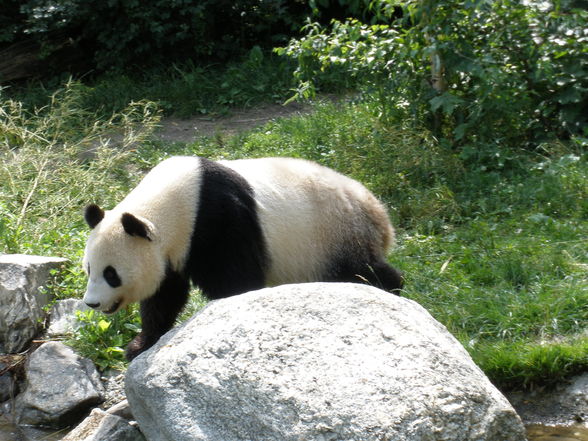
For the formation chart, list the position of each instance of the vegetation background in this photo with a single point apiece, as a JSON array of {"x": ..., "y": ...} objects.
[{"x": 468, "y": 118}]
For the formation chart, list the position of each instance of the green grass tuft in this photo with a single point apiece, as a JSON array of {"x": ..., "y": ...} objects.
[
  {"x": 515, "y": 365},
  {"x": 181, "y": 90}
]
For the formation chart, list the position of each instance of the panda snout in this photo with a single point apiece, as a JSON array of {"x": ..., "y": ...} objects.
[{"x": 105, "y": 308}]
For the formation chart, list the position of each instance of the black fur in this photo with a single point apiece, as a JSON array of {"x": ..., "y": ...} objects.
[
  {"x": 159, "y": 312},
  {"x": 134, "y": 226},
  {"x": 93, "y": 214},
  {"x": 227, "y": 253},
  {"x": 374, "y": 272},
  {"x": 111, "y": 277}
]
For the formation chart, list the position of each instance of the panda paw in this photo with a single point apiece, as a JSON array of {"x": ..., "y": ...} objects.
[{"x": 139, "y": 344}]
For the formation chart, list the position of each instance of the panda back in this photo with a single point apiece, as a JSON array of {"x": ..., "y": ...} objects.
[{"x": 311, "y": 216}]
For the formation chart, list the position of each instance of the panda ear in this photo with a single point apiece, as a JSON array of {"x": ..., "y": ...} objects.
[
  {"x": 135, "y": 226},
  {"x": 93, "y": 215}
]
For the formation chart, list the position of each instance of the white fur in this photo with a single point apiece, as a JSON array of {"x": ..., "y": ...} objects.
[
  {"x": 166, "y": 199},
  {"x": 306, "y": 212}
]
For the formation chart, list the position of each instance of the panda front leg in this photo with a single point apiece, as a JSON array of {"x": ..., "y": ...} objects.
[{"x": 159, "y": 312}]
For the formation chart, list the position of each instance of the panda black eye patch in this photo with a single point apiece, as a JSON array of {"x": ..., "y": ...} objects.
[{"x": 111, "y": 277}]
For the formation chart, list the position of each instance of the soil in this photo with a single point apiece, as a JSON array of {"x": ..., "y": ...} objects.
[
  {"x": 187, "y": 130},
  {"x": 566, "y": 405}
]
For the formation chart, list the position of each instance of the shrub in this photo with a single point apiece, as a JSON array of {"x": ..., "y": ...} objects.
[
  {"x": 103, "y": 338},
  {"x": 119, "y": 33},
  {"x": 477, "y": 73}
]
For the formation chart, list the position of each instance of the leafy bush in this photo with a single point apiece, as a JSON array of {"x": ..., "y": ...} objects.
[
  {"x": 103, "y": 338},
  {"x": 118, "y": 33},
  {"x": 477, "y": 73},
  {"x": 11, "y": 20},
  {"x": 123, "y": 33}
]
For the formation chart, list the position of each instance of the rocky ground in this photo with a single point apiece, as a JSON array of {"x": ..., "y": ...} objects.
[{"x": 566, "y": 405}]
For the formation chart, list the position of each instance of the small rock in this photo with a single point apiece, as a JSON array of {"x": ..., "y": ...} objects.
[
  {"x": 8, "y": 384},
  {"x": 21, "y": 303},
  {"x": 104, "y": 426},
  {"x": 114, "y": 385},
  {"x": 122, "y": 410},
  {"x": 63, "y": 320},
  {"x": 61, "y": 386}
]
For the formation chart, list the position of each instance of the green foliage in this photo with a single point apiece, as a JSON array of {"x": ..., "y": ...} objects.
[
  {"x": 345, "y": 8},
  {"x": 11, "y": 20},
  {"x": 477, "y": 73},
  {"x": 180, "y": 89},
  {"x": 118, "y": 33},
  {"x": 103, "y": 338},
  {"x": 523, "y": 364},
  {"x": 50, "y": 161},
  {"x": 196, "y": 302}
]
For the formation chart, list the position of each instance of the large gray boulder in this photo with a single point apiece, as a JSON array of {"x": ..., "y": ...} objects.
[
  {"x": 61, "y": 386},
  {"x": 315, "y": 362},
  {"x": 21, "y": 302}
]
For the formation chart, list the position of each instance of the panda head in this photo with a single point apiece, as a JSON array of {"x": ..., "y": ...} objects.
[{"x": 121, "y": 259}]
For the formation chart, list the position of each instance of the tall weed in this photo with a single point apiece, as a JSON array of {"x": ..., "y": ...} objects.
[{"x": 56, "y": 159}]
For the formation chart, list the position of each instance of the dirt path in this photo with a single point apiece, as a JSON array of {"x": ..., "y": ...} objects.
[{"x": 187, "y": 130}]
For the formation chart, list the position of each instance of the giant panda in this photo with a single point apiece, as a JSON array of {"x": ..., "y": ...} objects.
[{"x": 231, "y": 227}]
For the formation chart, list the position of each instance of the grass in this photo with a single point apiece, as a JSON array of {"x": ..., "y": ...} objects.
[
  {"x": 181, "y": 89},
  {"x": 492, "y": 243},
  {"x": 53, "y": 161}
]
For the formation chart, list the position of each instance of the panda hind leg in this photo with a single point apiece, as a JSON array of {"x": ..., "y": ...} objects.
[
  {"x": 384, "y": 276},
  {"x": 159, "y": 312},
  {"x": 375, "y": 273}
]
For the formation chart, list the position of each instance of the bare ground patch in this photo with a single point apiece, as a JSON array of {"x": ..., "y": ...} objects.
[{"x": 187, "y": 130}]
